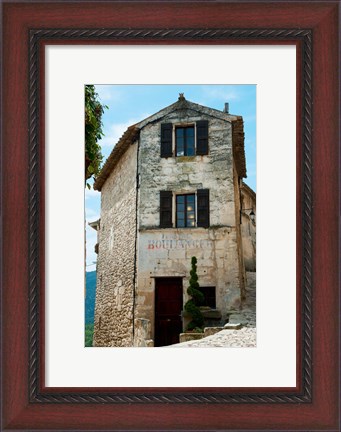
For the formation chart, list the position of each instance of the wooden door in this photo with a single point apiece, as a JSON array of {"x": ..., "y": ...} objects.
[{"x": 168, "y": 307}]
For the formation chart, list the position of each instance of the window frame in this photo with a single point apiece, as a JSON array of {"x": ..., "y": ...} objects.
[
  {"x": 185, "y": 126},
  {"x": 169, "y": 146},
  {"x": 185, "y": 209}
]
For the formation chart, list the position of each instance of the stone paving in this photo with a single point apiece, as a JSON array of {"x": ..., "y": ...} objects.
[{"x": 243, "y": 338}]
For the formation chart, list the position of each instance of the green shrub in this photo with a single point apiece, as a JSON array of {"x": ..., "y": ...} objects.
[
  {"x": 89, "y": 333},
  {"x": 197, "y": 299}
]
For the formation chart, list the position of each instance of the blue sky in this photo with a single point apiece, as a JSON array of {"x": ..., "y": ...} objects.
[{"x": 129, "y": 104}]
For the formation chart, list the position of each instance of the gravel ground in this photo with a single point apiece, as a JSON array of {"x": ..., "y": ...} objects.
[{"x": 243, "y": 338}]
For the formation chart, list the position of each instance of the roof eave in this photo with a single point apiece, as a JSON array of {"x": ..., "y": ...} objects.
[
  {"x": 238, "y": 146},
  {"x": 249, "y": 190},
  {"x": 127, "y": 139}
]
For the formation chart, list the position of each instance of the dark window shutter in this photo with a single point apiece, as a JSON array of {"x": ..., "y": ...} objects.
[
  {"x": 166, "y": 139},
  {"x": 202, "y": 137},
  {"x": 203, "y": 204},
  {"x": 166, "y": 198}
]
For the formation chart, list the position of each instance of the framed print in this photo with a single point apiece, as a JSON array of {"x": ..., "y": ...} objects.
[
  {"x": 290, "y": 54},
  {"x": 177, "y": 376}
]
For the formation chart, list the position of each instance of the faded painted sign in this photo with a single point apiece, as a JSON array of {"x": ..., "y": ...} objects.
[{"x": 171, "y": 243}]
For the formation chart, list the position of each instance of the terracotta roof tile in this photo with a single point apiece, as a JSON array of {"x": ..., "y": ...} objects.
[{"x": 238, "y": 146}]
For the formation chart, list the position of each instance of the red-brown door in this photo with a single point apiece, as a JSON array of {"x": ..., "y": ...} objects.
[{"x": 168, "y": 307}]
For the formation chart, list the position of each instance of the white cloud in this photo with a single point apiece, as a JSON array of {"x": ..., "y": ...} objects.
[
  {"x": 225, "y": 95},
  {"x": 114, "y": 131},
  {"x": 108, "y": 93},
  {"x": 91, "y": 215},
  {"x": 91, "y": 234},
  {"x": 91, "y": 240},
  {"x": 90, "y": 193}
]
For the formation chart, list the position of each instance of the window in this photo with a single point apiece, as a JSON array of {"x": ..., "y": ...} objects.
[
  {"x": 192, "y": 210},
  {"x": 189, "y": 140},
  {"x": 210, "y": 298},
  {"x": 185, "y": 211},
  {"x": 184, "y": 141}
]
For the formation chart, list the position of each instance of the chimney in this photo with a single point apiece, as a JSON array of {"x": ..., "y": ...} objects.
[{"x": 226, "y": 108}]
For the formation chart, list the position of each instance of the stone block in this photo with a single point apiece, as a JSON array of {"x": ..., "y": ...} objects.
[
  {"x": 220, "y": 263},
  {"x": 237, "y": 318},
  {"x": 186, "y": 337},
  {"x": 233, "y": 326},
  {"x": 211, "y": 313},
  {"x": 177, "y": 254},
  {"x": 142, "y": 332},
  {"x": 198, "y": 253},
  {"x": 209, "y": 331}
]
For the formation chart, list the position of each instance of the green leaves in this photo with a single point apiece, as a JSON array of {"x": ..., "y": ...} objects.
[
  {"x": 93, "y": 132},
  {"x": 192, "y": 306},
  {"x": 89, "y": 334}
]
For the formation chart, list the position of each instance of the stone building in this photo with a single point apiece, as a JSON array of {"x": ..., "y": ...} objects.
[
  {"x": 248, "y": 227},
  {"x": 171, "y": 189}
]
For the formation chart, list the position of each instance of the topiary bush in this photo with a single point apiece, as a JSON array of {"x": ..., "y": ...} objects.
[{"x": 197, "y": 299}]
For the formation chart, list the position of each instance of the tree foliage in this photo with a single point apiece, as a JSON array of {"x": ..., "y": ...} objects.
[
  {"x": 90, "y": 279},
  {"x": 89, "y": 334},
  {"x": 93, "y": 132},
  {"x": 197, "y": 299}
]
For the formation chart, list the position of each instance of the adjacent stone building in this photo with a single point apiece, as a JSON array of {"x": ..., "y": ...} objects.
[
  {"x": 171, "y": 189},
  {"x": 248, "y": 227}
]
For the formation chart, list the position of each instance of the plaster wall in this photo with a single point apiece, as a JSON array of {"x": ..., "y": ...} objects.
[{"x": 168, "y": 252}]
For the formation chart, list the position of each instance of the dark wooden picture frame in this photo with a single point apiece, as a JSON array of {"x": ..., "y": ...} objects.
[{"x": 27, "y": 403}]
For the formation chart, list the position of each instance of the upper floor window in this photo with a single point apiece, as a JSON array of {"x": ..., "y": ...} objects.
[
  {"x": 184, "y": 141},
  {"x": 189, "y": 140}
]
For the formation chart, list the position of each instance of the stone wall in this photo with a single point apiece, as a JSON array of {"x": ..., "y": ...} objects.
[
  {"x": 187, "y": 173},
  {"x": 125, "y": 297},
  {"x": 248, "y": 228},
  {"x": 116, "y": 258},
  {"x": 168, "y": 251},
  {"x": 238, "y": 215}
]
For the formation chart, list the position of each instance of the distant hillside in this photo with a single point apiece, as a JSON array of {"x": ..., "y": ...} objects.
[{"x": 90, "y": 297}]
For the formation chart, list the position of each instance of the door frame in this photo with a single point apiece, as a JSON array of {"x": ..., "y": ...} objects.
[{"x": 156, "y": 278}]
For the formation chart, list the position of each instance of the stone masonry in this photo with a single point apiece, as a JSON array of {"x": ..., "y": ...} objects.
[
  {"x": 115, "y": 269},
  {"x": 248, "y": 227},
  {"x": 134, "y": 250}
]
